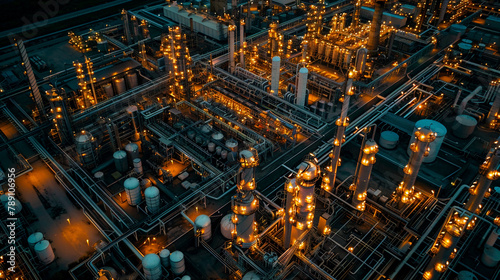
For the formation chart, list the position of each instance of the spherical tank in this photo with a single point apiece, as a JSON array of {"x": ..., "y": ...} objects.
[
  {"x": 204, "y": 224},
  {"x": 152, "y": 267},
  {"x": 121, "y": 162},
  {"x": 434, "y": 146},
  {"x": 35, "y": 238},
  {"x": 44, "y": 252},
  {"x": 133, "y": 191},
  {"x": 464, "y": 126},
  {"x": 389, "y": 139},
  {"x": 165, "y": 257},
  {"x": 152, "y": 196},
  {"x": 177, "y": 262},
  {"x": 227, "y": 226}
]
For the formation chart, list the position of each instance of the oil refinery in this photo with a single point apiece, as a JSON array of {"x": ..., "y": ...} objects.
[{"x": 216, "y": 139}]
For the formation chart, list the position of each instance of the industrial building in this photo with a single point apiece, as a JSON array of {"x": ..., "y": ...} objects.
[{"x": 330, "y": 139}]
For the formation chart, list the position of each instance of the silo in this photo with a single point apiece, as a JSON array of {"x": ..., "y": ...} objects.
[
  {"x": 44, "y": 252},
  {"x": 177, "y": 263},
  {"x": 121, "y": 163},
  {"x": 302, "y": 87},
  {"x": 152, "y": 196},
  {"x": 165, "y": 257},
  {"x": 464, "y": 126},
  {"x": 108, "y": 89},
  {"x": 275, "y": 75},
  {"x": 34, "y": 238},
  {"x": 434, "y": 146},
  {"x": 232, "y": 145},
  {"x": 227, "y": 226},
  {"x": 132, "y": 80},
  {"x": 138, "y": 166},
  {"x": 120, "y": 86},
  {"x": 132, "y": 150},
  {"x": 152, "y": 267},
  {"x": 204, "y": 224},
  {"x": 133, "y": 191}
]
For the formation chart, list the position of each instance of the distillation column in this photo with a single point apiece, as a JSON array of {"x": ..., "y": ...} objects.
[
  {"x": 301, "y": 99},
  {"x": 243, "y": 44},
  {"x": 357, "y": 11},
  {"x": 244, "y": 204},
  {"x": 231, "y": 35},
  {"x": 420, "y": 149},
  {"x": 364, "y": 171},
  {"x": 275, "y": 75},
  {"x": 342, "y": 122},
  {"x": 488, "y": 173},
  {"x": 300, "y": 202},
  {"x": 60, "y": 115},
  {"x": 374, "y": 37}
]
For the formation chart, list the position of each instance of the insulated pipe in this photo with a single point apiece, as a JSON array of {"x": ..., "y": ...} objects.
[
  {"x": 342, "y": 123},
  {"x": 463, "y": 104},
  {"x": 231, "y": 30},
  {"x": 275, "y": 75},
  {"x": 301, "y": 97},
  {"x": 374, "y": 37},
  {"x": 363, "y": 177},
  {"x": 420, "y": 149},
  {"x": 243, "y": 44},
  {"x": 488, "y": 173}
]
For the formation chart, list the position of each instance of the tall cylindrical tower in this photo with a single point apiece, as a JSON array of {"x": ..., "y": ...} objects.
[
  {"x": 420, "y": 149},
  {"x": 231, "y": 29},
  {"x": 275, "y": 75},
  {"x": 374, "y": 37},
  {"x": 364, "y": 172},
  {"x": 244, "y": 204},
  {"x": 301, "y": 98},
  {"x": 242, "y": 43}
]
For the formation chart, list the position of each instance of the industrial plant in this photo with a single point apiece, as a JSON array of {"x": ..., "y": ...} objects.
[{"x": 322, "y": 140}]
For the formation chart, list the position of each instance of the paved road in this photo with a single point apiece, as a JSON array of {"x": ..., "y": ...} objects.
[{"x": 60, "y": 18}]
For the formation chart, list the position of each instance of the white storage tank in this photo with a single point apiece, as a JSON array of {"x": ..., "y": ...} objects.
[
  {"x": 152, "y": 196},
  {"x": 108, "y": 89},
  {"x": 132, "y": 80},
  {"x": 120, "y": 86},
  {"x": 152, "y": 267},
  {"x": 177, "y": 263},
  {"x": 133, "y": 191},
  {"x": 227, "y": 226},
  {"x": 389, "y": 139},
  {"x": 121, "y": 163},
  {"x": 132, "y": 150},
  {"x": 217, "y": 136},
  {"x": 204, "y": 224},
  {"x": 186, "y": 277},
  {"x": 434, "y": 146},
  {"x": 232, "y": 145},
  {"x": 206, "y": 129},
  {"x": 165, "y": 257},
  {"x": 251, "y": 275},
  {"x": 211, "y": 147},
  {"x": 44, "y": 252},
  {"x": 138, "y": 166},
  {"x": 98, "y": 175},
  {"x": 491, "y": 256},
  {"x": 34, "y": 238},
  {"x": 464, "y": 126}
]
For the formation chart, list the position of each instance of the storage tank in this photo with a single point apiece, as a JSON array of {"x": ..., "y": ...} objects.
[
  {"x": 223, "y": 154},
  {"x": 434, "y": 146},
  {"x": 191, "y": 134},
  {"x": 121, "y": 162},
  {"x": 218, "y": 150},
  {"x": 217, "y": 136},
  {"x": 98, "y": 175},
  {"x": 464, "y": 126},
  {"x": 138, "y": 166},
  {"x": 152, "y": 196},
  {"x": 165, "y": 257},
  {"x": 34, "y": 238},
  {"x": 177, "y": 263},
  {"x": 152, "y": 267},
  {"x": 388, "y": 139},
  {"x": 466, "y": 275},
  {"x": 132, "y": 150},
  {"x": 44, "y": 252},
  {"x": 108, "y": 89},
  {"x": 132, "y": 80},
  {"x": 133, "y": 191},
  {"x": 232, "y": 145},
  {"x": 227, "y": 226},
  {"x": 490, "y": 257},
  {"x": 84, "y": 145},
  {"x": 251, "y": 275},
  {"x": 204, "y": 224},
  {"x": 211, "y": 147},
  {"x": 186, "y": 277},
  {"x": 301, "y": 99},
  {"x": 120, "y": 86},
  {"x": 206, "y": 129}
]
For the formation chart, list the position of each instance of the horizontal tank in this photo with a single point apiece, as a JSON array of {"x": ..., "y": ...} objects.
[
  {"x": 152, "y": 267},
  {"x": 133, "y": 191},
  {"x": 177, "y": 263},
  {"x": 44, "y": 252},
  {"x": 434, "y": 146}
]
